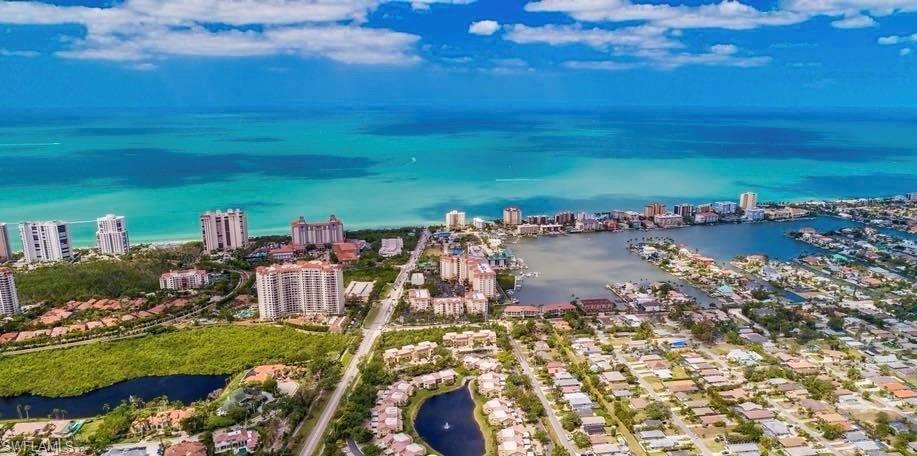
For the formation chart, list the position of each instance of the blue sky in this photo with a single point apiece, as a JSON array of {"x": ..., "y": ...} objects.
[{"x": 484, "y": 53}]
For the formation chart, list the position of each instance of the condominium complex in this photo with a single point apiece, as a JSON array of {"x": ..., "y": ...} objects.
[
  {"x": 512, "y": 216},
  {"x": 188, "y": 279},
  {"x": 653, "y": 209},
  {"x": 45, "y": 241},
  {"x": 111, "y": 235},
  {"x": 724, "y": 207},
  {"x": 328, "y": 232},
  {"x": 6, "y": 251},
  {"x": 748, "y": 200},
  {"x": 9, "y": 299},
  {"x": 476, "y": 271},
  {"x": 224, "y": 231},
  {"x": 455, "y": 220},
  {"x": 306, "y": 287}
]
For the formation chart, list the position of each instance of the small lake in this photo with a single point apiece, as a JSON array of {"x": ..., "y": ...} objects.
[
  {"x": 446, "y": 423},
  {"x": 582, "y": 264},
  {"x": 183, "y": 388}
]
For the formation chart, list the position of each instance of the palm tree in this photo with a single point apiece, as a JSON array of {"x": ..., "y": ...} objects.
[
  {"x": 19, "y": 410},
  {"x": 27, "y": 407}
]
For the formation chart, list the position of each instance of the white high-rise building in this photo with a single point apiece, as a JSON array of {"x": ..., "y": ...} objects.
[
  {"x": 748, "y": 200},
  {"x": 329, "y": 232},
  {"x": 224, "y": 231},
  {"x": 111, "y": 235},
  {"x": 306, "y": 287},
  {"x": 45, "y": 241},
  {"x": 455, "y": 220},
  {"x": 6, "y": 251},
  {"x": 9, "y": 298}
]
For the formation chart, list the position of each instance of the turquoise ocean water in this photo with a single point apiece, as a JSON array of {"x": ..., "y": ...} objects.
[{"x": 378, "y": 167}]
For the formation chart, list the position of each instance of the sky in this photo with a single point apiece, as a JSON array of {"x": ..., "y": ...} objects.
[{"x": 463, "y": 53}]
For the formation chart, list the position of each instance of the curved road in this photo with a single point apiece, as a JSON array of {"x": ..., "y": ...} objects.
[{"x": 370, "y": 335}]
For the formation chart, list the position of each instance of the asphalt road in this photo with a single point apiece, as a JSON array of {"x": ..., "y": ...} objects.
[
  {"x": 370, "y": 334},
  {"x": 549, "y": 411}
]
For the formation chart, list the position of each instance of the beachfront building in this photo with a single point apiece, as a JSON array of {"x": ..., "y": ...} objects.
[
  {"x": 45, "y": 241},
  {"x": 706, "y": 217},
  {"x": 111, "y": 235},
  {"x": 305, "y": 234},
  {"x": 653, "y": 209},
  {"x": 391, "y": 247},
  {"x": 473, "y": 270},
  {"x": 9, "y": 298},
  {"x": 306, "y": 287},
  {"x": 512, "y": 216},
  {"x": 224, "y": 231},
  {"x": 754, "y": 214},
  {"x": 748, "y": 200},
  {"x": 668, "y": 220},
  {"x": 188, "y": 279},
  {"x": 455, "y": 220},
  {"x": 685, "y": 210},
  {"x": 528, "y": 229},
  {"x": 724, "y": 207},
  {"x": 6, "y": 252}
]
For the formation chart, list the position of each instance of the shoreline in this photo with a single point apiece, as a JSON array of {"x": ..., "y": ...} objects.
[{"x": 179, "y": 239}]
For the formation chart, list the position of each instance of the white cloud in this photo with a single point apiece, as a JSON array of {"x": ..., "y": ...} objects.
[
  {"x": 139, "y": 30},
  {"x": 725, "y": 14},
  {"x": 724, "y": 49},
  {"x": 856, "y": 21},
  {"x": 904, "y": 51},
  {"x": 486, "y": 27},
  {"x": 603, "y": 65},
  {"x": 622, "y": 39},
  {"x": 895, "y": 39},
  {"x": 19, "y": 53}
]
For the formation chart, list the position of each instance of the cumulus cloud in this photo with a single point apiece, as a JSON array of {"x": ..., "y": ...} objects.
[
  {"x": 486, "y": 27},
  {"x": 622, "y": 39},
  {"x": 726, "y": 14},
  {"x": 141, "y": 30},
  {"x": 895, "y": 39},
  {"x": 904, "y": 51},
  {"x": 856, "y": 21}
]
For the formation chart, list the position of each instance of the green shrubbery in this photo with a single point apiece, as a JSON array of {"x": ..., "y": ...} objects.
[{"x": 212, "y": 350}]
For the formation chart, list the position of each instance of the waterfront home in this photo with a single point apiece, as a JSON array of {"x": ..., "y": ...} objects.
[
  {"x": 517, "y": 311},
  {"x": 490, "y": 384},
  {"x": 166, "y": 420},
  {"x": 233, "y": 440},
  {"x": 431, "y": 381},
  {"x": 410, "y": 354},
  {"x": 557, "y": 310}
]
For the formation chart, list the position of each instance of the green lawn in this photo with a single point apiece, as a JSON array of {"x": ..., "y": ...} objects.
[{"x": 212, "y": 350}]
